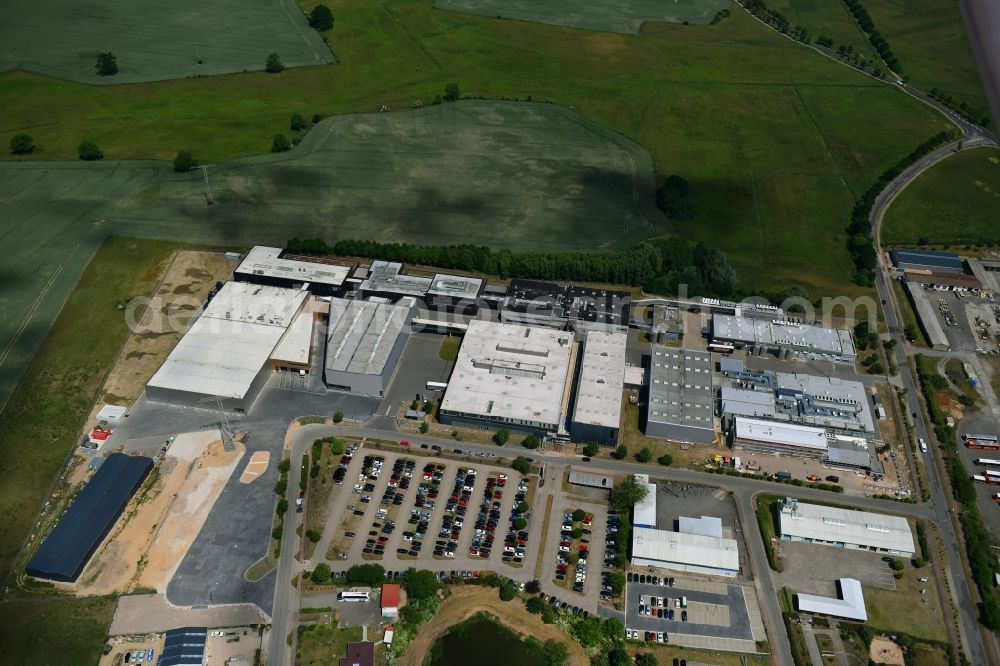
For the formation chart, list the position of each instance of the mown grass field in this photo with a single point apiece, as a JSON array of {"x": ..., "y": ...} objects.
[
  {"x": 826, "y": 18},
  {"x": 956, "y": 201},
  {"x": 50, "y": 629},
  {"x": 625, "y": 16},
  {"x": 929, "y": 39},
  {"x": 154, "y": 40},
  {"x": 775, "y": 140}
]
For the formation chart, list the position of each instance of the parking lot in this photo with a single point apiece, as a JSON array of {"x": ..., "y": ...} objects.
[
  {"x": 814, "y": 568},
  {"x": 577, "y": 567}
]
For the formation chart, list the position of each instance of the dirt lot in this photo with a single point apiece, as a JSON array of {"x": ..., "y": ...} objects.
[
  {"x": 884, "y": 651},
  {"x": 159, "y": 526},
  {"x": 466, "y": 602},
  {"x": 185, "y": 284}
]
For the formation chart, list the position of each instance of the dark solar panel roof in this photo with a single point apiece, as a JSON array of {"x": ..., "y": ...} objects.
[
  {"x": 183, "y": 647},
  {"x": 565, "y": 301},
  {"x": 88, "y": 520}
]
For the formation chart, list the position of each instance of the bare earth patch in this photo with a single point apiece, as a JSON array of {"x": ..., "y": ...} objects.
[
  {"x": 466, "y": 602},
  {"x": 885, "y": 651},
  {"x": 256, "y": 466}
]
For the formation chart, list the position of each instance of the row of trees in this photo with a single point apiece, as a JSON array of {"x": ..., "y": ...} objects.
[
  {"x": 659, "y": 265},
  {"x": 859, "y": 238},
  {"x": 961, "y": 108},
  {"x": 874, "y": 36},
  {"x": 770, "y": 16}
]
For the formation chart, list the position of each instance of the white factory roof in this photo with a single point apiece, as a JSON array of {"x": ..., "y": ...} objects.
[
  {"x": 388, "y": 276},
  {"x": 361, "y": 334},
  {"x": 834, "y": 393},
  {"x": 509, "y": 371},
  {"x": 851, "y": 603},
  {"x": 826, "y": 523},
  {"x": 226, "y": 347},
  {"x": 635, "y": 375},
  {"x": 786, "y": 434},
  {"x": 746, "y": 402},
  {"x": 602, "y": 379},
  {"x": 261, "y": 260},
  {"x": 710, "y": 526},
  {"x": 456, "y": 286},
  {"x": 784, "y": 333},
  {"x": 297, "y": 342},
  {"x": 690, "y": 549},
  {"x": 644, "y": 513}
]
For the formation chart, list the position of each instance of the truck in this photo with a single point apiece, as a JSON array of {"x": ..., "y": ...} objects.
[{"x": 783, "y": 476}]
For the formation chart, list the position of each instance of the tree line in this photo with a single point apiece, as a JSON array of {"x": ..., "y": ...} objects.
[
  {"x": 657, "y": 265},
  {"x": 860, "y": 244},
  {"x": 875, "y": 37}
]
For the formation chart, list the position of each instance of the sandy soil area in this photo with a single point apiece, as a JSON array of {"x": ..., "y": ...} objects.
[
  {"x": 256, "y": 466},
  {"x": 158, "y": 527},
  {"x": 466, "y": 602},
  {"x": 885, "y": 651}
]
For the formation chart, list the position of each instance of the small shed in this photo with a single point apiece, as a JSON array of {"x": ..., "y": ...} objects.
[{"x": 111, "y": 413}]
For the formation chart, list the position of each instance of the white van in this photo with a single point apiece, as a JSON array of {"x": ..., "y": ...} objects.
[{"x": 923, "y": 445}]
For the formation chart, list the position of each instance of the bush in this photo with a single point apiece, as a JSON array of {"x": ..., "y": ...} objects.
[
  {"x": 281, "y": 507},
  {"x": 666, "y": 460},
  {"x": 620, "y": 453},
  {"x": 184, "y": 161},
  {"x": 535, "y": 605},
  {"x": 273, "y": 64},
  {"x": 531, "y": 442},
  {"x": 576, "y": 532},
  {"x": 313, "y": 535},
  {"x": 277, "y": 532},
  {"x": 420, "y": 584},
  {"x": 316, "y": 118},
  {"x": 280, "y": 144},
  {"x": 22, "y": 144},
  {"x": 501, "y": 436},
  {"x": 281, "y": 487},
  {"x": 520, "y": 523},
  {"x": 897, "y": 565},
  {"x": 523, "y": 507},
  {"x": 321, "y": 18},
  {"x": 107, "y": 64},
  {"x": 644, "y": 455},
  {"x": 89, "y": 152},
  {"x": 591, "y": 449},
  {"x": 338, "y": 417},
  {"x": 284, "y": 466},
  {"x": 321, "y": 573},
  {"x": 507, "y": 592},
  {"x": 370, "y": 575},
  {"x": 549, "y": 615},
  {"x": 337, "y": 447},
  {"x": 297, "y": 122},
  {"x": 521, "y": 464},
  {"x": 451, "y": 92},
  {"x": 555, "y": 652},
  {"x": 424, "y": 428},
  {"x": 578, "y": 515}
]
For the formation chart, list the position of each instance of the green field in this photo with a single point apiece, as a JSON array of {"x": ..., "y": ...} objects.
[
  {"x": 625, "y": 16},
  {"x": 956, "y": 201},
  {"x": 154, "y": 40},
  {"x": 50, "y": 629},
  {"x": 775, "y": 140},
  {"x": 929, "y": 39},
  {"x": 826, "y": 18}
]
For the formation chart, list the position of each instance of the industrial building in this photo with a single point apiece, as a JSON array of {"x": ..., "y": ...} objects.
[
  {"x": 387, "y": 280},
  {"x": 183, "y": 647},
  {"x": 68, "y": 547},
  {"x": 511, "y": 376},
  {"x": 710, "y": 526},
  {"x": 849, "y": 603},
  {"x": 365, "y": 340},
  {"x": 681, "y": 404},
  {"x": 225, "y": 356},
  {"x": 763, "y": 436},
  {"x": 601, "y": 481},
  {"x": 565, "y": 306},
  {"x": 269, "y": 266},
  {"x": 927, "y": 317},
  {"x": 454, "y": 293},
  {"x": 845, "y": 528},
  {"x": 927, "y": 260},
  {"x": 944, "y": 281},
  {"x": 784, "y": 337},
  {"x": 644, "y": 512},
  {"x": 597, "y": 408},
  {"x": 692, "y": 553}
]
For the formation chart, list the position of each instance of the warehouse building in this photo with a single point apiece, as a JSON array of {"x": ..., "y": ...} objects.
[
  {"x": 563, "y": 306},
  {"x": 644, "y": 512},
  {"x": 927, "y": 317},
  {"x": 849, "y": 603},
  {"x": 681, "y": 404},
  {"x": 184, "y": 647},
  {"x": 511, "y": 376},
  {"x": 365, "y": 340},
  {"x": 691, "y": 553},
  {"x": 71, "y": 543},
  {"x": 845, "y": 528},
  {"x": 927, "y": 260},
  {"x": 225, "y": 356},
  {"x": 387, "y": 280},
  {"x": 784, "y": 337},
  {"x": 600, "y": 481},
  {"x": 762, "y": 436},
  {"x": 269, "y": 266},
  {"x": 455, "y": 293},
  {"x": 944, "y": 281},
  {"x": 597, "y": 408}
]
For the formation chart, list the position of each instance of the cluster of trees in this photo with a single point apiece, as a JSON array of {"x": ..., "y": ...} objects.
[
  {"x": 658, "y": 265},
  {"x": 22, "y": 144},
  {"x": 184, "y": 161},
  {"x": 859, "y": 238},
  {"x": 273, "y": 64},
  {"x": 874, "y": 36},
  {"x": 321, "y": 18},
  {"x": 627, "y": 494},
  {"x": 961, "y": 108},
  {"x": 674, "y": 199},
  {"x": 767, "y": 15},
  {"x": 521, "y": 464},
  {"x": 107, "y": 64}
]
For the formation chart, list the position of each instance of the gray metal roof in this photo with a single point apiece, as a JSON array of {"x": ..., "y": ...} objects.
[
  {"x": 363, "y": 333},
  {"x": 593, "y": 480},
  {"x": 680, "y": 387},
  {"x": 388, "y": 277}
]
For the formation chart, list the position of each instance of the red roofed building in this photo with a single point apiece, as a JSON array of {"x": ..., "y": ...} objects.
[{"x": 390, "y": 600}]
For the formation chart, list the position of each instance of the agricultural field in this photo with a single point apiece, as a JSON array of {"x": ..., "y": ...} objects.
[
  {"x": 154, "y": 40},
  {"x": 826, "y": 19},
  {"x": 625, "y": 16},
  {"x": 955, "y": 201},
  {"x": 55, "y": 629},
  {"x": 929, "y": 39}
]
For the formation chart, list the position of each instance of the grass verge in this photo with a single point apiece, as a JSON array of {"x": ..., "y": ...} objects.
[{"x": 55, "y": 629}]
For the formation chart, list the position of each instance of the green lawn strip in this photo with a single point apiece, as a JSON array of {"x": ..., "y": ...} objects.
[
  {"x": 903, "y": 609},
  {"x": 826, "y": 19},
  {"x": 449, "y": 348},
  {"x": 765, "y": 520},
  {"x": 63, "y": 379},
  {"x": 955, "y": 202},
  {"x": 322, "y": 644},
  {"x": 55, "y": 629},
  {"x": 910, "y": 321}
]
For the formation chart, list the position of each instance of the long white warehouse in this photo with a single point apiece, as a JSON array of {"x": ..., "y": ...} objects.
[
  {"x": 849, "y": 604},
  {"x": 845, "y": 528},
  {"x": 693, "y": 553}
]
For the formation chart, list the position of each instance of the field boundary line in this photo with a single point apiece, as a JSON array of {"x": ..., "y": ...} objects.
[{"x": 413, "y": 39}]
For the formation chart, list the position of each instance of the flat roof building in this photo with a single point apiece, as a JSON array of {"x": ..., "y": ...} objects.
[
  {"x": 511, "y": 376},
  {"x": 681, "y": 405},
  {"x": 644, "y": 512},
  {"x": 945, "y": 281},
  {"x": 927, "y": 260},
  {"x": 591, "y": 480},
  {"x": 710, "y": 526},
  {"x": 927, "y": 317},
  {"x": 365, "y": 340},
  {"x": 183, "y": 647},
  {"x": 784, "y": 337},
  {"x": 565, "y": 306},
  {"x": 764, "y": 436},
  {"x": 845, "y": 528},
  {"x": 849, "y": 603},
  {"x": 824, "y": 401},
  {"x": 691, "y": 553},
  {"x": 270, "y": 266},
  {"x": 597, "y": 408},
  {"x": 386, "y": 279},
  {"x": 455, "y": 293},
  {"x": 225, "y": 355}
]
